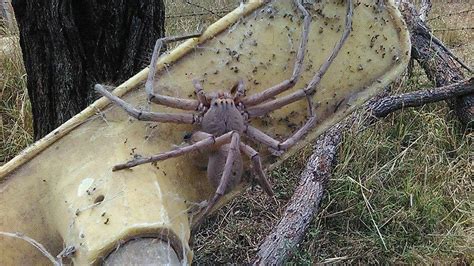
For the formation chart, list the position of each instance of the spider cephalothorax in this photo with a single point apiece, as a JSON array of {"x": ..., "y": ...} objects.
[{"x": 222, "y": 118}]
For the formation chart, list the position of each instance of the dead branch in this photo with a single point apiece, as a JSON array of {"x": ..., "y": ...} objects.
[
  {"x": 449, "y": 52},
  {"x": 438, "y": 64},
  {"x": 387, "y": 105},
  {"x": 288, "y": 234}
]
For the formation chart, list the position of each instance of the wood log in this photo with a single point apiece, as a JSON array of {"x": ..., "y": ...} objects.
[
  {"x": 305, "y": 201},
  {"x": 437, "y": 62},
  {"x": 288, "y": 234}
]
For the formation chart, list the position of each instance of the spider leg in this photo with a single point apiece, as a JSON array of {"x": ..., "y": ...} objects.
[
  {"x": 174, "y": 102},
  {"x": 206, "y": 142},
  {"x": 289, "y": 83},
  {"x": 257, "y": 165},
  {"x": 147, "y": 116},
  {"x": 309, "y": 90},
  {"x": 276, "y": 146},
  {"x": 200, "y": 93},
  {"x": 221, "y": 189},
  {"x": 240, "y": 91}
]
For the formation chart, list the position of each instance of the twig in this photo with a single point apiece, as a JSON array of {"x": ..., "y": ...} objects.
[
  {"x": 448, "y": 51},
  {"x": 439, "y": 66},
  {"x": 35, "y": 244},
  {"x": 451, "y": 14},
  {"x": 199, "y": 6},
  {"x": 454, "y": 29}
]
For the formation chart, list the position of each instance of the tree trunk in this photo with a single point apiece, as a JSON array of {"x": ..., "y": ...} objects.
[{"x": 68, "y": 46}]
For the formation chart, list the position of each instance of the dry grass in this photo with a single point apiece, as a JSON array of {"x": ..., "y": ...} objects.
[
  {"x": 15, "y": 110},
  {"x": 414, "y": 169}
]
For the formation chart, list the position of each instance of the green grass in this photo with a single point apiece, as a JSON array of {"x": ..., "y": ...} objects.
[{"x": 401, "y": 193}]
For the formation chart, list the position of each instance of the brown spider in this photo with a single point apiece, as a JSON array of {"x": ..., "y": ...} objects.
[{"x": 224, "y": 117}]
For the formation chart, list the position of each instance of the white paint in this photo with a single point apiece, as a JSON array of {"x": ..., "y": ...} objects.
[{"x": 84, "y": 186}]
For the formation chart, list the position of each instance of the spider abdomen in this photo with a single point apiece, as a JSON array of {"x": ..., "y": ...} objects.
[
  {"x": 216, "y": 165},
  {"x": 222, "y": 117}
]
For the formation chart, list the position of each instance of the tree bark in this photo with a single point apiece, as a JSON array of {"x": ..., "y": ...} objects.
[
  {"x": 286, "y": 236},
  {"x": 438, "y": 64},
  {"x": 69, "y": 45}
]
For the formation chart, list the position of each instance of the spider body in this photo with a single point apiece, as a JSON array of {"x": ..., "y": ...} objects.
[
  {"x": 222, "y": 118},
  {"x": 216, "y": 167}
]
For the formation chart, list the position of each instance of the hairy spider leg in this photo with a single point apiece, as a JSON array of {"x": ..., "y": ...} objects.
[
  {"x": 179, "y": 118},
  {"x": 257, "y": 166},
  {"x": 310, "y": 89},
  {"x": 264, "y": 108},
  {"x": 297, "y": 69},
  {"x": 221, "y": 189},
  {"x": 174, "y": 102},
  {"x": 205, "y": 143}
]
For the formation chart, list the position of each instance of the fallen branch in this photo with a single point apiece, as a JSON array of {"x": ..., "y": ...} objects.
[
  {"x": 387, "y": 105},
  {"x": 438, "y": 64},
  {"x": 288, "y": 234},
  {"x": 449, "y": 52}
]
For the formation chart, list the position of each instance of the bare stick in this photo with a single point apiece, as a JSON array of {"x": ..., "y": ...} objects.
[
  {"x": 440, "y": 68},
  {"x": 205, "y": 143},
  {"x": 147, "y": 116},
  {"x": 184, "y": 104},
  {"x": 449, "y": 52},
  {"x": 286, "y": 84},
  {"x": 35, "y": 244},
  {"x": 267, "y": 107},
  {"x": 387, "y": 105}
]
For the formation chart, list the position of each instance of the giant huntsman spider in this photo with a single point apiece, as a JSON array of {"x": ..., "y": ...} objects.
[{"x": 223, "y": 117}]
